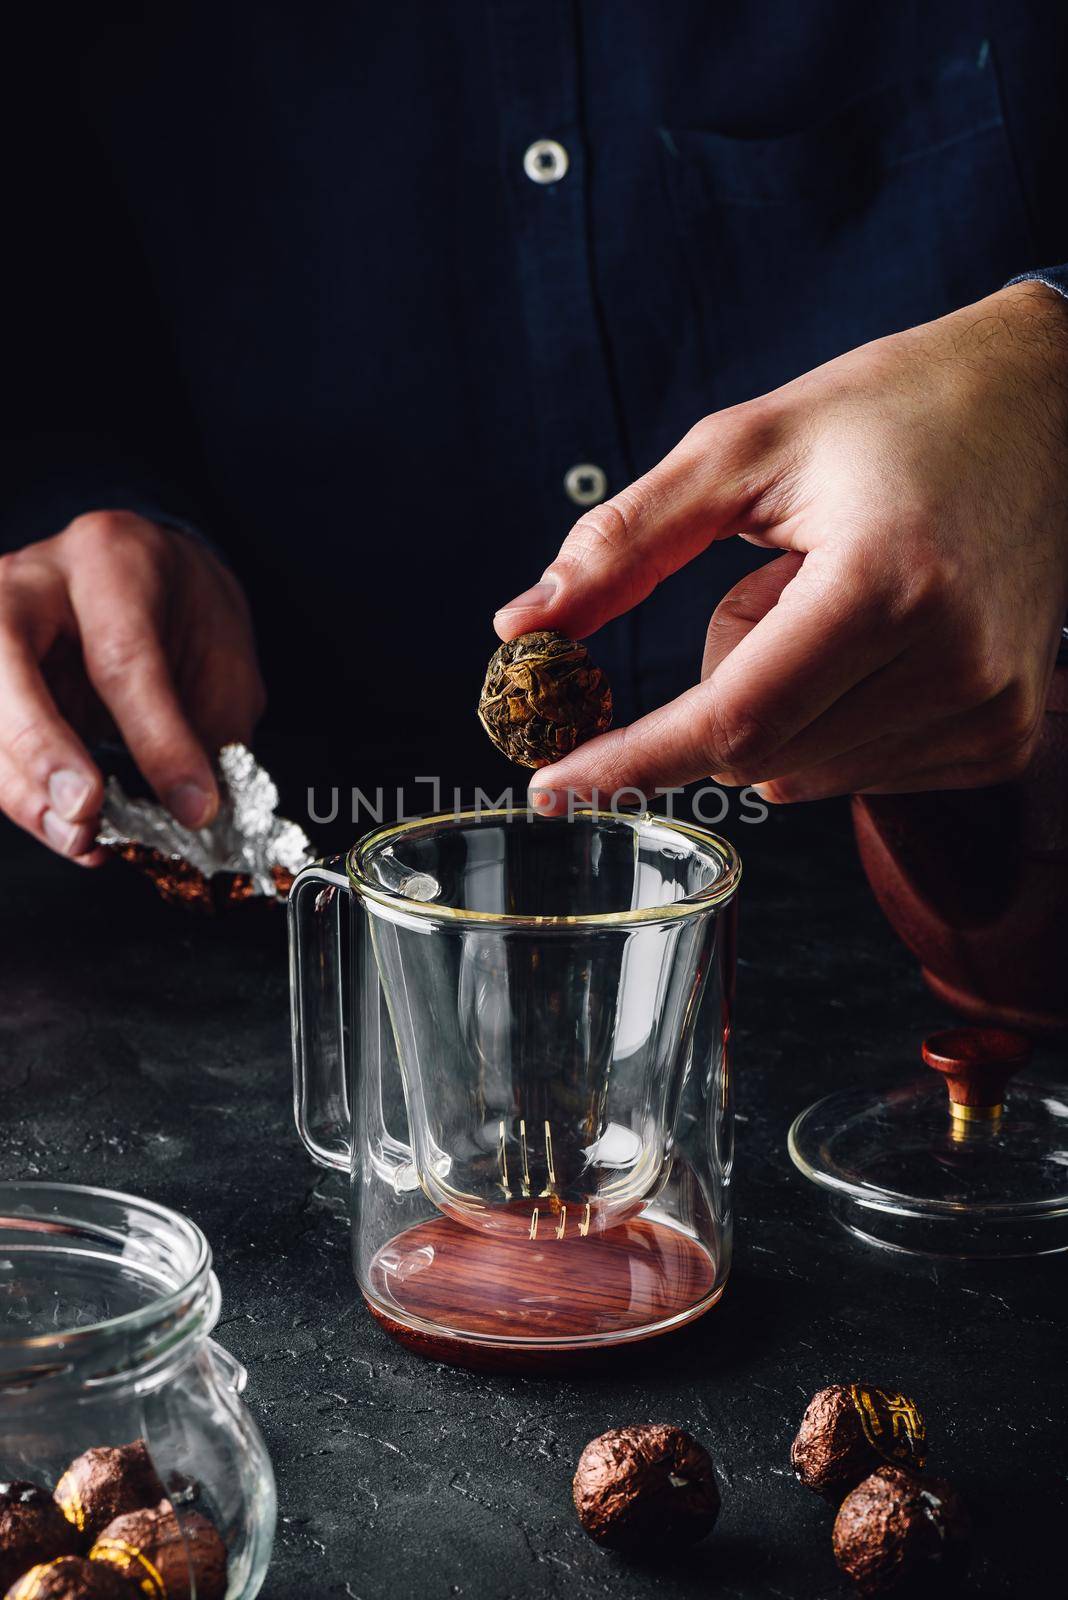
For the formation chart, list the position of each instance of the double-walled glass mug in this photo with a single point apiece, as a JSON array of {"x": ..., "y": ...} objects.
[
  {"x": 513, "y": 1033},
  {"x": 107, "y": 1304}
]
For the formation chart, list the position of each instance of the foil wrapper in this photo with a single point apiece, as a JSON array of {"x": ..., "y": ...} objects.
[
  {"x": 247, "y": 852},
  {"x": 849, "y": 1429},
  {"x": 646, "y": 1489}
]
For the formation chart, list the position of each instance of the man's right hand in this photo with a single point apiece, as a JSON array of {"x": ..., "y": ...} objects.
[{"x": 118, "y": 625}]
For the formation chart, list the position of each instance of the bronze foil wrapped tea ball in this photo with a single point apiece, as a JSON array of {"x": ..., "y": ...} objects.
[
  {"x": 71, "y": 1578},
  {"x": 106, "y": 1481},
  {"x": 32, "y": 1529},
  {"x": 163, "y": 1557},
  {"x": 849, "y": 1429},
  {"x": 897, "y": 1533},
  {"x": 646, "y": 1489},
  {"x": 542, "y": 697}
]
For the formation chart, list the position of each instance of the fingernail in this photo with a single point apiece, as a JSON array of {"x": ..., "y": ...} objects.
[
  {"x": 68, "y": 792},
  {"x": 548, "y": 802},
  {"x": 188, "y": 804},
  {"x": 532, "y": 599},
  {"x": 69, "y": 838}
]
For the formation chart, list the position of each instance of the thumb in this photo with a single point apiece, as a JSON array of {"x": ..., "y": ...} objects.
[{"x": 708, "y": 487}]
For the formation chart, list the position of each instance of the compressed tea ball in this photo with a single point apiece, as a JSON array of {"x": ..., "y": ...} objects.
[
  {"x": 897, "y": 1533},
  {"x": 32, "y": 1529},
  {"x": 849, "y": 1429},
  {"x": 163, "y": 1557},
  {"x": 542, "y": 697},
  {"x": 646, "y": 1489},
  {"x": 106, "y": 1481},
  {"x": 71, "y": 1578}
]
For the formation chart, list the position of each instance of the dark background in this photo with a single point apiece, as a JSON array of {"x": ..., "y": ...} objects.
[{"x": 148, "y": 1051}]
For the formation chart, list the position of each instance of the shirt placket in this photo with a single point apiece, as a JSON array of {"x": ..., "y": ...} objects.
[{"x": 576, "y": 437}]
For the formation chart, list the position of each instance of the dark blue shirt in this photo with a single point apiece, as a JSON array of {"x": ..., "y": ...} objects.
[{"x": 356, "y": 287}]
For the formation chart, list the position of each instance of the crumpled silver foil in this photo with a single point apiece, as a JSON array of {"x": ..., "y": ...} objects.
[{"x": 251, "y": 849}]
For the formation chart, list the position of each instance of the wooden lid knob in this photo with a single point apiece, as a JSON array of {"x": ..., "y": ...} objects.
[{"x": 976, "y": 1063}]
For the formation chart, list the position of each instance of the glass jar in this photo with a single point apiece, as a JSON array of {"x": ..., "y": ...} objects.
[{"x": 107, "y": 1303}]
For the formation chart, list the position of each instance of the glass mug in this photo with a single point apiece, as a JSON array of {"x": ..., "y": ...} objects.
[{"x": 512, "y": 1032}]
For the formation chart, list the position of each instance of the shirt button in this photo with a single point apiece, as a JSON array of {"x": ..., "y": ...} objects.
[
  {"x": 545, "y": 161},
  {"x": 586, "y": 484}
]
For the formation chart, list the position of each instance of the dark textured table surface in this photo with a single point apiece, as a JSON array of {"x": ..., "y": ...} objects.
[{"x": 142, "y": 1050}]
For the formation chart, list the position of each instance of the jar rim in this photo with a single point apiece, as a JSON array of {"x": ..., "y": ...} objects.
[
  {"x": 719, "y": 892},
  {"x": 25, "y": 1205}
]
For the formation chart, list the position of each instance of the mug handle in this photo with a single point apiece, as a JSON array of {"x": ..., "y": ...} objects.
[
  {"x": 320, "y": 980},
  {"x": 317, "y": 900}
]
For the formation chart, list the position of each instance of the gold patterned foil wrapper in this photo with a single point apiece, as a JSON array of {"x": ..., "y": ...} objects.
[
  {"x": 133, "y": 1564},
  {"x": 69, "y": 1501},
  {"x": 893, "y": 1425}
]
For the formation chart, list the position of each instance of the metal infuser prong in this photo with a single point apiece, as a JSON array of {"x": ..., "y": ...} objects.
[
  {"x": 502, "y": 1157},
  {"x": 549, "y": 1192},
  {"x": 549, "y": 1161},
  {"x": 525, "y": 1158}
]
